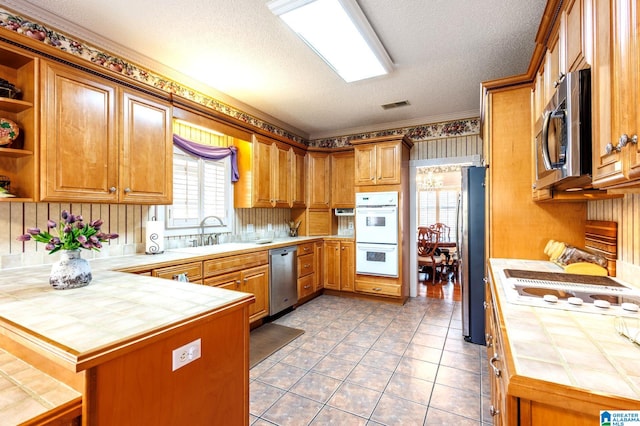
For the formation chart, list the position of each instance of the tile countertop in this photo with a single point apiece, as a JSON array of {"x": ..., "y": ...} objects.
[
  {"x": 75, "y": 326},
  {"x": 576, "y": 350},
  {"x": 145, "y": 261}
]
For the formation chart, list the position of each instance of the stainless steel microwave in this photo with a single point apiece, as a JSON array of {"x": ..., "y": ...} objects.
[{"x": 563, "y": 136}]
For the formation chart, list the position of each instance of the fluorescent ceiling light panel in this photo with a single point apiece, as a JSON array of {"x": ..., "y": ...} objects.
[{"x": 339, "y": 33}]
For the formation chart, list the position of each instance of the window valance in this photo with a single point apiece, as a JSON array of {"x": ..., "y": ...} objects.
[{"x": 210, "y": 153}]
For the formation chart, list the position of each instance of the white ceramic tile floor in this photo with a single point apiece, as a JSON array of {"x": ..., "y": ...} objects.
[{"x": 363, "y": 362}]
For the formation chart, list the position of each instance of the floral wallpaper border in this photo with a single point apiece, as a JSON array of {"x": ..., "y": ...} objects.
[
  {"x": 36, "y": 31},
  {"x": 22, "y": 25},
  {"x": 469, "y": 126}
]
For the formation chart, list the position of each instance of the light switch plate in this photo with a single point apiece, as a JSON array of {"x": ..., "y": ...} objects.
[{"x": 186, "y": 354}]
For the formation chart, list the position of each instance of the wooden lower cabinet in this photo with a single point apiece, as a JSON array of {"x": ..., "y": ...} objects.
[
  {"x": 318, "y": 277},
  {"x": 519, "y": 400},
  {"x": 305, "y": 286},
  {"x": 192, "y": 272},
  {"x": 253, "y": 280},
  {"x": 306, "y": 269},
  {"x": 339, "y": 262},
  {"x": 378, "y": 285},
  {"x": 139, "y": 387}
]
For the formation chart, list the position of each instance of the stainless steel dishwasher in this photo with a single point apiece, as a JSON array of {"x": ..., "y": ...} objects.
[{"x": 283, "y": 271}]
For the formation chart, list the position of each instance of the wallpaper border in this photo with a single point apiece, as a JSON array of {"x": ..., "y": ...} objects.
[{"x": 28, "y": 28}]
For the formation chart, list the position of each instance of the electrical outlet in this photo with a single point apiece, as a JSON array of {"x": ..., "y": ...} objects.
[
  {"x": 250, "y": 228},
  {"x": 351, "y": 225},
  {"x": 269, "y": 227},
  {"x": 186, "y": 354}
]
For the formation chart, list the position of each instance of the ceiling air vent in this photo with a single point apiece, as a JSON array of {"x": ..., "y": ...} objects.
[{"x": 395, "y": 105}]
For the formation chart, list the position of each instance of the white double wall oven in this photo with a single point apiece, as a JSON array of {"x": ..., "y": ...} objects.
[{"x": 376, "y": 219}]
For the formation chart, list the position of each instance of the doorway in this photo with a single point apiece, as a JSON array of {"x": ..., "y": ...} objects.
[{"x": 419, "y": 181}]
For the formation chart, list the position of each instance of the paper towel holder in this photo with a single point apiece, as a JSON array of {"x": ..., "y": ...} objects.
[{"x": 155, "y": 237}]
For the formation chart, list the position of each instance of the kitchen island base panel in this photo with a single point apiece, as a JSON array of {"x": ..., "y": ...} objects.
[{"x": 140, "y": 388}]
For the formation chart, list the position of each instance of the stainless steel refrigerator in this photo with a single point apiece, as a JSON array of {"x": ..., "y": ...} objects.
[{"x": 470, "y": 241}]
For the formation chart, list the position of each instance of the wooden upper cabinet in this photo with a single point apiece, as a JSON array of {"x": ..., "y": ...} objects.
[
  {"x": 266, "y": 170},
  {"x": 261, "y": 171},
  {"x": 146, "y": 172},
  {"x": 378, "y": 163},
  {"x": 79, "y": 159},
  {"x": 298, "y": 181},
  {"x": 615, "y": 75},
  {"x": 342, "y": 180},
  {"x": 365, "y": 164},
  {"x": 319, "y": 188},
  {"x": 552, "y": 72},
  {"x": 282, "y": 173},
  {"x": 574, "y": 36},
  {"x": 101, "y": 143},
  {"x": 388, "y": 158}
]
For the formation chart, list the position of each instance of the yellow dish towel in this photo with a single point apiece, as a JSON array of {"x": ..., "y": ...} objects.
[{"x": 585, "y": 268}]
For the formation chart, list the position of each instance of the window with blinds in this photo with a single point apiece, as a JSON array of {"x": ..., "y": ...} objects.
[
  {"x": 438, "y": 205},
  {"x": 201, "y": 188}
]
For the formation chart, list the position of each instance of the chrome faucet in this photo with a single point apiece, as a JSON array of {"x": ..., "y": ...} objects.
[{"x": 202, "y": 225}]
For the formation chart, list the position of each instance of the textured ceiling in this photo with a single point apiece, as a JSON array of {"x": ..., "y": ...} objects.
[{"x": 441, "y": 49}]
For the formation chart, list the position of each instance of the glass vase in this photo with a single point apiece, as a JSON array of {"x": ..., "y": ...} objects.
[{"x": 71, "y": 271}]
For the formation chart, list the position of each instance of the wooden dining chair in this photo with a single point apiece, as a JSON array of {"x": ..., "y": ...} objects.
[
  {"x": 443, "y": 229},
  {"x": 428, "y": 253}
]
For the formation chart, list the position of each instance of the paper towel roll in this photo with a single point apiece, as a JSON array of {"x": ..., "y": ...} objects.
[{"x": 154, "y": 241}]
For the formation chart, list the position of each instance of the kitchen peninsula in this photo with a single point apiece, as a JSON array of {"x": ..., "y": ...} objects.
[
  {"x": 109, "y": 346},
  {"x": 552, "y": 366}
]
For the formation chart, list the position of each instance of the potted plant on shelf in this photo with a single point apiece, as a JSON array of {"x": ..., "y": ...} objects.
[{"x": 68, "y": 236}]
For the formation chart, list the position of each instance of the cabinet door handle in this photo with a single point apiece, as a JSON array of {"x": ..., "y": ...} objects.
[
  {"x": 127, "y": 190},
  {"x": 307, "y": 286},
  {"x": 489, "y": 339},
  {"x": 493, "y": 411},
  {"x": 112, "y": 189},
  {"x": 238, "y": 282},
  {"x": 493, "y": 359},
  {"x": 372, "y": 178},
  {"x": 306, "y": 265},
  {"x": 377, "y": 289},
  {"x": 625, "y": 139}
]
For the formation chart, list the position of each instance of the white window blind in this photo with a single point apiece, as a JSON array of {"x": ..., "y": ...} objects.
[
  {"x": 201, "y": 188},
  {"x": 438, "y": 205}
]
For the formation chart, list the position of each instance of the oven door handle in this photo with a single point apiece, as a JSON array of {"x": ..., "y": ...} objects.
[
  {"x": 377, "y": 247},
  {"x": 375, "y": 210}
]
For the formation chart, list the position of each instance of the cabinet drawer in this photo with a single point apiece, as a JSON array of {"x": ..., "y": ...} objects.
[
  {"x": 193, "y": 271},
  {"x": 378, "y": 288},
  {"x": 305, "y": 286},
  {"x": 230, "y": 281},
  {"x": 306, "y": 265},
  {"x": 305, "y": 249},
  {"x": 234, "y": 263}
]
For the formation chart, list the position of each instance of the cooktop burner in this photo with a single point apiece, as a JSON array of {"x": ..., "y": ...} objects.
[
  {"x": 561, "y": 277},
  {"x": 571, "y": 291}
]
